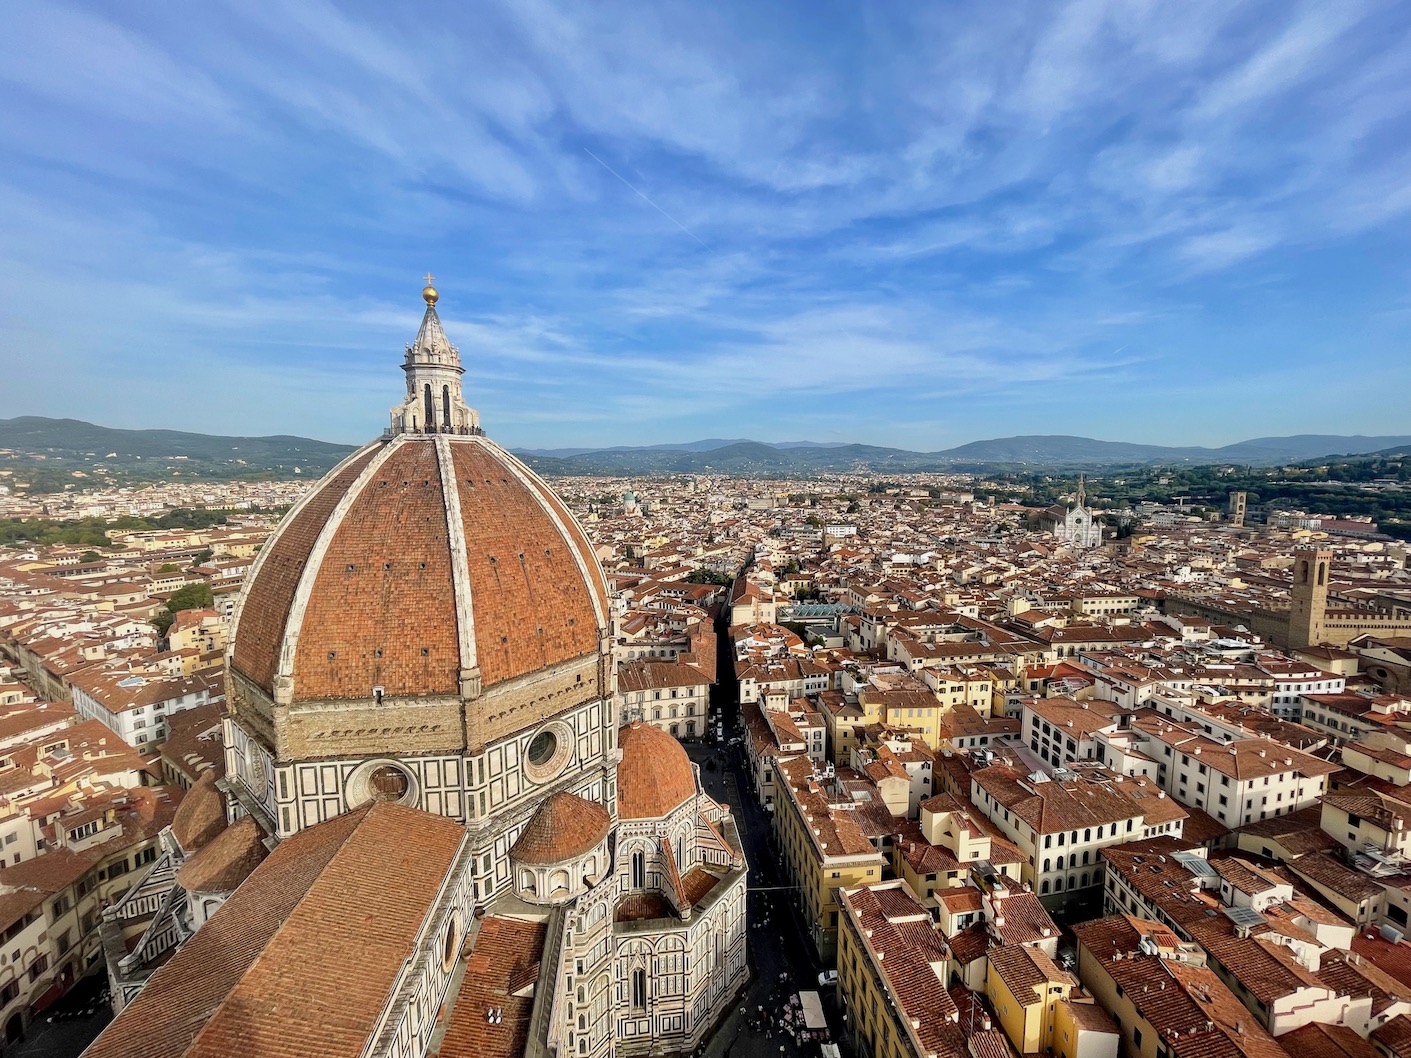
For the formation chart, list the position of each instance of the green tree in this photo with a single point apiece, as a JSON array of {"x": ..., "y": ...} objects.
[
  {"x": 191, "y": 597},
  {"x": 708, "y": 576}
]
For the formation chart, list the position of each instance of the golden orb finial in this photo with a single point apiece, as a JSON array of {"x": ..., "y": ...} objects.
[{"x": 428, "y": 292}]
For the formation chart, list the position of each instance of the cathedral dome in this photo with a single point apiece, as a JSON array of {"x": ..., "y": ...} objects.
[
  {"x": 654, "y": 775},
  {"x": 200, "y": 816},
  {"x": 409, "y": 548},
  {"x": 226, "y": 862},
  {"x": 565, "y": 827},
  {"x": 430, "y": 566}
]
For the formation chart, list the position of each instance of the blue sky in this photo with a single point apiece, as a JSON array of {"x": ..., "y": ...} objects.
[{"x": 908, "y": 223}]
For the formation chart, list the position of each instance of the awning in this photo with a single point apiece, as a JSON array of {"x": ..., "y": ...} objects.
[{"x": 812, "y": 1010}]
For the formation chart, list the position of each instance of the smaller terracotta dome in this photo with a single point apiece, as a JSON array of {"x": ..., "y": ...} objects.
[
  {"x": 654, "y": 775},
  {"x": 226, "y": 861},
  {"x": 565, "y": 826},
  {"x": 201, "y": 814}
]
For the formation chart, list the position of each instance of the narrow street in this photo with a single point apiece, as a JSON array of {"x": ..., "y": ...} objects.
[
  {"x": 782, "y": 959},
  {"x": 70, "y": 1025}
]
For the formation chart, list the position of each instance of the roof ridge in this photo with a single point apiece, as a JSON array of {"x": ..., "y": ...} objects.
[{"x": 354, "y": 824}]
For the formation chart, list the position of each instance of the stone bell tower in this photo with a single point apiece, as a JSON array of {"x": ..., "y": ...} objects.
[
  {"x": 1238, "y": 503},
  {"x": 1308, "y": 597},
  {"x": 434, "y": 401}
]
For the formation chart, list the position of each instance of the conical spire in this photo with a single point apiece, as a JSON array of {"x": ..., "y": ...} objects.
[
  {"x": 434, "y": 403},
  {"x": 431, "y": 337}
]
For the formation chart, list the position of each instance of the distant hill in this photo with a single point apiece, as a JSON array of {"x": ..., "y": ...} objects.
[
  {"x": 1263, "y": 451},
  {"x": 1056, "y": 450},
  {"x": 707, "y": 445},
  {"x": 1314, "y": 446},
  {"x": 710, "y": 444},
  {"x": 50, "y": 448}
]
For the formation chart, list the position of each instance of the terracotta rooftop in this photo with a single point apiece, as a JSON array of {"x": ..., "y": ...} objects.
[
  {"x": 564, "y": 826},
  {"x": 374, "y": 604},
  {"x": 226, "y": 861},
  {"x": 910, "y": 953},
  {"x": 500, "y": 974},
  {"x": 201, "y": 815},
  {"x": 253, "y": 979},
  {"x": 654, "y": 776}
]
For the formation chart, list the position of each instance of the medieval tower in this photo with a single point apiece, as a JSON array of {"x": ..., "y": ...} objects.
[
  {"x": 1237, "y": 508},
  {"x": 1308, "y": 597}
]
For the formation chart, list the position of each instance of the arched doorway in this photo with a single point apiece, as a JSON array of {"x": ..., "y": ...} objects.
[
  {"x": 14, "y": 1028},
  {"x": 445, "y": 405},
  {"x": 430, "y": 403}
]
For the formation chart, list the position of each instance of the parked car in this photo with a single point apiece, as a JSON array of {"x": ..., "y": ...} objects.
[{"x": 827, "y": 978}]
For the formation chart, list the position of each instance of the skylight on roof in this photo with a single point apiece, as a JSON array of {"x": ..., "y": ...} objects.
[{"x": 1243, "y": 916}]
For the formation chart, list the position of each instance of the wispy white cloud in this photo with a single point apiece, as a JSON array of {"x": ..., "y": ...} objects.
[{"x": 875, "y": 210}]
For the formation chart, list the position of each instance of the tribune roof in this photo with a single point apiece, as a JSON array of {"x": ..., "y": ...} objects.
[{"x": 253, "y": 979}]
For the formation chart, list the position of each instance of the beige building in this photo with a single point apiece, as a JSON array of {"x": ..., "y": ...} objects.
[
  {"x": 1162, "y": 996},
  {"x": 1061, "y": 825},
  {"x": 52, "y": 904},
  {"x": 892, "y": 975}
]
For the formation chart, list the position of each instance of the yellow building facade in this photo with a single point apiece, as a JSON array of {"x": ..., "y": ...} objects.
[{"x": 825, "y": 851}]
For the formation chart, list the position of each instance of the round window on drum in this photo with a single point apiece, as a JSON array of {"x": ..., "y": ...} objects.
[
  {"x": 542, "y": 747},
  {"x": 449, "y": 946},
  {"x": 388, "y": 783},
  {"x": 382, "y": 780},
  {"x": 548, "y": 752}
]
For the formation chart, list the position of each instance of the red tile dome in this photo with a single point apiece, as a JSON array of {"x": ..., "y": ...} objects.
[
  {"x": 654, "y": 775},
  {"x": 201, "y": 814},
  {"x": 227, "y": 861},
  {"x": 417, "y": 555},
  {"x": 565, "y": 827}
]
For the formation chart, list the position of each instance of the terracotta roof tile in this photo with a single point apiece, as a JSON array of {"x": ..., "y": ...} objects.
[
  {"x": 564, "y": 826},
  {"x": 201, "y": 815},
  {"x": 221, "y": 865},
  {"x": 503, "y": 961},
  {"x": 654, "y": 775},
  {"x": 253, "y": 980},
  {"x": 271, "y": 593},
  {"x": 382, "y": 612}
]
